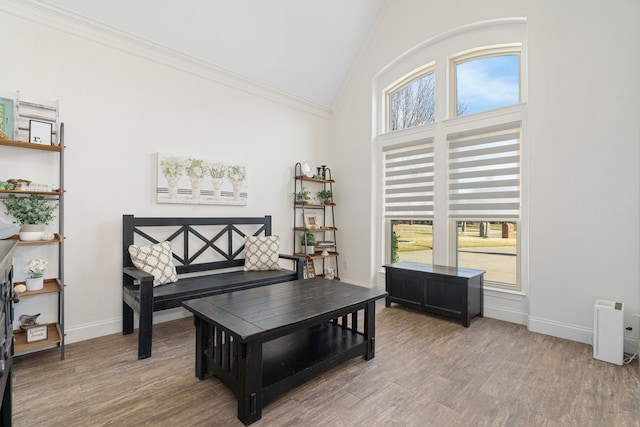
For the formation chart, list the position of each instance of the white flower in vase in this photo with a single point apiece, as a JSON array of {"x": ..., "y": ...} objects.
[
  {"x": 34, "y": 269},
  {"x": 172, "y": 168},
  {"x": 237, "y": 174},
  {"x": 218, "y": 172},
  {"x": 196, "y": 171}
]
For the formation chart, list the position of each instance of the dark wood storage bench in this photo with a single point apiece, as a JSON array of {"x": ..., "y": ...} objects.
[
  {"x": 449, "y": 291},
  {"x": 264, "y": 341}
]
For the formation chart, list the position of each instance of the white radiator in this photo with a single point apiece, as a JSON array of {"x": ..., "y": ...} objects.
[{"x": 608, "y": 331}]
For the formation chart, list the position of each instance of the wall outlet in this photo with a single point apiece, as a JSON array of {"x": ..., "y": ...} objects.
[{"x": 344, "y": 265}]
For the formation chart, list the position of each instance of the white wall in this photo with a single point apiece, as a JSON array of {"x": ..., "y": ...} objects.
[
  {"x": 119, "y": 110},
  {"x": 583, "y": 183}
]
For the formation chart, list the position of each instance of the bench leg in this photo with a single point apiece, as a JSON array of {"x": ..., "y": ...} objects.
[
  {"x": 145, "y": 333},
  {"x": 127, "y": 319}
]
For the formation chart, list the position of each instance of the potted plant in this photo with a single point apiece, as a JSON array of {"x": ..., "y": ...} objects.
[
  {"x": 303, "y": 196},
  {"x": 32, "y": 213},
  {"x": 34, "y": 269},
  {"x": 308, "y": 242},
  {"x": 326, "y": 195}
]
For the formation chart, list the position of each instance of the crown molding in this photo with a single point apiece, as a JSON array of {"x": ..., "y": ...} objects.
[{"x": 46, "y": 14}]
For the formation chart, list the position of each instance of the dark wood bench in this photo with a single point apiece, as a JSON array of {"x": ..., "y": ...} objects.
[{"x": 208, "y": 257}]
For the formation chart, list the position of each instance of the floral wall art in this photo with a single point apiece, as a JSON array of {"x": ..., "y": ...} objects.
[{"x": 189, "y": 179}]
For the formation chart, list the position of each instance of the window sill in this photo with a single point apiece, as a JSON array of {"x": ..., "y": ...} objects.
[{"x": 504, "y": 293}]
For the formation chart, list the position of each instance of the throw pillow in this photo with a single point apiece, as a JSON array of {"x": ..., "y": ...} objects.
[
  {"x": 261, "y": 253},
  {"x": 155, "y": 259}
]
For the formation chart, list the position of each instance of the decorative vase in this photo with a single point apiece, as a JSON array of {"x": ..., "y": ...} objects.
[
  {"x": 195, "y": 186},
  {"x": 31, "y": 232},
  {"x": 34, "y": 283},
  {"x": 309, "y": 250},
  {"x": 173, "y": 188},
  {"x": 236, "y": 189},
  {"x": 217, "y": 183}
]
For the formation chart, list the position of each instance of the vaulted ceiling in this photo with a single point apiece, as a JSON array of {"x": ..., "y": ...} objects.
[{"x": 302, "y": 47}]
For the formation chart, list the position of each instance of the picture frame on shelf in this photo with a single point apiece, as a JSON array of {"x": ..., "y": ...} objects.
[
  {"x": 36, "y": 333},
  {"x": 6, "y": 117},
  {"x": 40, "y": 132},
  {"x": 309, "y": 269},
  {"x": 311, "y": 221}
]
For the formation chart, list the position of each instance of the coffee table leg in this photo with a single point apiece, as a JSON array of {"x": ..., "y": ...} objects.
[
  {"x": 203, "y": 334},
  {"x": 370, "y": 329},
  {"x": 250, "y": 382}
]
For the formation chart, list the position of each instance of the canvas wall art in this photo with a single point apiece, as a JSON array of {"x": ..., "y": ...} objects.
[{"x": 195, "y": 180}]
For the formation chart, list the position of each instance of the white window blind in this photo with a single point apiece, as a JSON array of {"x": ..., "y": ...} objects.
[
  {"x": 408, "y": 180},
  {"x": 484, "y": 172}
]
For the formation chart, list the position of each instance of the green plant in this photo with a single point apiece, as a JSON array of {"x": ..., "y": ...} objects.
[
  {"x": 29, "y": 210},
  {"x": 325, "y": 194},
  {"x": 303, "y": 195},
  {"x": 394, "y": 247},
  {"x": 308, "y": 239},
  {"x": 4, "y": 185}
]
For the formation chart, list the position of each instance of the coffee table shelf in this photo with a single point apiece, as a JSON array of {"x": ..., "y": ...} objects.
[{"x": 302, "y": 355}]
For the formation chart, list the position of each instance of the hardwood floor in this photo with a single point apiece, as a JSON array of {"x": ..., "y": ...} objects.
[{"x": 428, "y": 371}]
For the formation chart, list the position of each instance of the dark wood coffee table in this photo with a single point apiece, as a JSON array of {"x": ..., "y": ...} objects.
[{"x": 264, "y": 341}]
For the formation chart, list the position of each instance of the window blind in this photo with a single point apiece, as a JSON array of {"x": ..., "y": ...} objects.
[
  {"x": 408, "y": 180},
  {"x": 484, "y": 172}
]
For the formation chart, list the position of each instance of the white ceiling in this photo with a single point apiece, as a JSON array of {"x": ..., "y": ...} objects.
[{"x": 301, "y": 47}]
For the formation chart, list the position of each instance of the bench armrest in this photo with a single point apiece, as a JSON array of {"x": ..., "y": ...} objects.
[
  {"x": 137, "y": 274},
  {"x": 298, "y": 261}
]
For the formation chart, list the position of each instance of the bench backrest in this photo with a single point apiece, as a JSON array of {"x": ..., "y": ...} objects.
[{"x": 198, "y": 244}]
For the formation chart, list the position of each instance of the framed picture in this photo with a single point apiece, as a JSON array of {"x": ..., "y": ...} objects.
[
  {"x": 309, "y": 269},
  {"x": 199, "y": 180},
  {"x": 6, "y": 117},
  {"x": 311, "y": 221},
  {"x": 36, "y": 333},
  {"x": 40, "y": 132}
]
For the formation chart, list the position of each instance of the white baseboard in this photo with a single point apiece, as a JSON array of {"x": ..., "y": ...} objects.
[
  {"x": 575, "y": 333},
  {"x": 561, "y": 330},
  {"x": 113, "y": 326},
  {"x": 92, "y": 330},
  {"x": 505, "y": 314}
]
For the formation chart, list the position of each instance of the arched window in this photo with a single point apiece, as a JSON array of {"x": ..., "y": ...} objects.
[
  {"x": 451, "y": 152},
  {"x": 485, "y": 80},
  {"x": 412, "y": 102}
]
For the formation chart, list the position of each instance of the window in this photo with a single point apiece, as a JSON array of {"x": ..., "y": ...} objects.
[
  {"x": 486, "y": 80},
  {"x": 451, "y": 191},
  {"x": 408, "y": 192},
  {"x": 412, "y": 103},
  {"x": 490, "y": 246},
  {"x": 412, "y": 240},
  {"x": 408, "y": 180},
  {"x": 484, "y": 172}
]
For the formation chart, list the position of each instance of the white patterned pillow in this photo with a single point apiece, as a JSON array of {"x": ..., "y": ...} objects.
[
  {"x": 156, "y": 260},
  {"x": 261, "y": 253}
]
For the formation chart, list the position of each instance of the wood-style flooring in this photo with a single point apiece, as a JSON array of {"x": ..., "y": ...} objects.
[{"x": 428, "y": 371}]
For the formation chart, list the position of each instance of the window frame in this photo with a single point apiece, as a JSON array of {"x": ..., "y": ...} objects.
[
  {"x": 437, "y": 51},
  {"x": 476, "y": 54},
  {"x": 401, "y": 83},
  {"x": 516, "y": 287}
]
